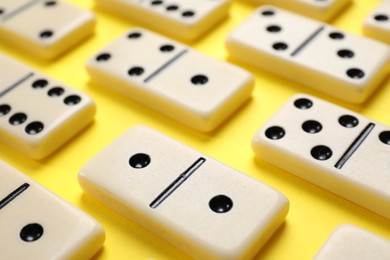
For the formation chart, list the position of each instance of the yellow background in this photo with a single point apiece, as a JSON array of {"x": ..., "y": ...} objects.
[{"x": 314, "y": 212}]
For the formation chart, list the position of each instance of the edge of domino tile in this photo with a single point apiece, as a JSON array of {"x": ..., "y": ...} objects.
[
  {"x": 157, "y": 22},
  {"x": 374, "y": 29},
  {"x": 322, "y": 13},
  {"x": 346, "y": 235}
]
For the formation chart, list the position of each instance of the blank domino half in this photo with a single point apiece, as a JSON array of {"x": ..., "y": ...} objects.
[
  {"x": 202, "y": 206},
  {"x": 318, "y": 55},
  {"x": 377, "y": 23},
  {"x": 37, "y": 224},
  {"x": 45, "y": 28},
  {"x": 352, "y": 242},
  {"x": 330, "y": 146},
  {"x": 182, "y": 19},
  {"x": 323, "y": 10},
  {"x": 188, "y": 86},
  {"x": 39, "y": 114}
]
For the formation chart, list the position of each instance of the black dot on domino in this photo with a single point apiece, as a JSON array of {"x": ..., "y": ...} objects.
[
  {"x": 55, "y": 92},
  {"x": 136, "y": 71},
  {"x": 267, "y": 13},
  {"x": 303, "y": 103},
  {"x": 4, "y": 109},
  {"x": 348, "y": 121},
  {"x": 2, "y": 11},
  {"x": 134, "y": 35},
  {"x": 46, "y": 34},
  {"x": 273, "y": 28},
  {"x": 31, "y": 232},
  {"x": 345, "y": 54},
  {"x": 72, "y": 100},
  {"x": 157, "y": 2},
  {"x": 34, "y": 128},
  {"x": 221, "y": 204},
  {"x": 321, "y": 152},
  {"x": 188, "y": 14},
  {"x": 275, "y": 133},
  {"x": 17, "y": 119},
  {"x": 311, "y": 126},
  {"x": 103, "y": 57},
  {"x": 50, "y": 3},
  {"x": 167, "y": 48},
  {"x": 385, "y": 137},
  {"x": 355, "y": 73},
  {"x": 336, "y": 36},
  {"x": 199, "y": 79},
  {"x": 172, "y": 8},
  {"x": 40, "y": 83},
  {"x": 280, "y": 46},
  {"x": 139, "y": 160},
  {"x": 381, "y": 17}
]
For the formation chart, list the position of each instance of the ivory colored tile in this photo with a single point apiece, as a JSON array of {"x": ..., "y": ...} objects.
[
  {"x": 200, "y": 205},
  {"x": 311, "y": 53},
  {"x": 190, "y": 87},
  {"x": 351, "y": 242}
]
